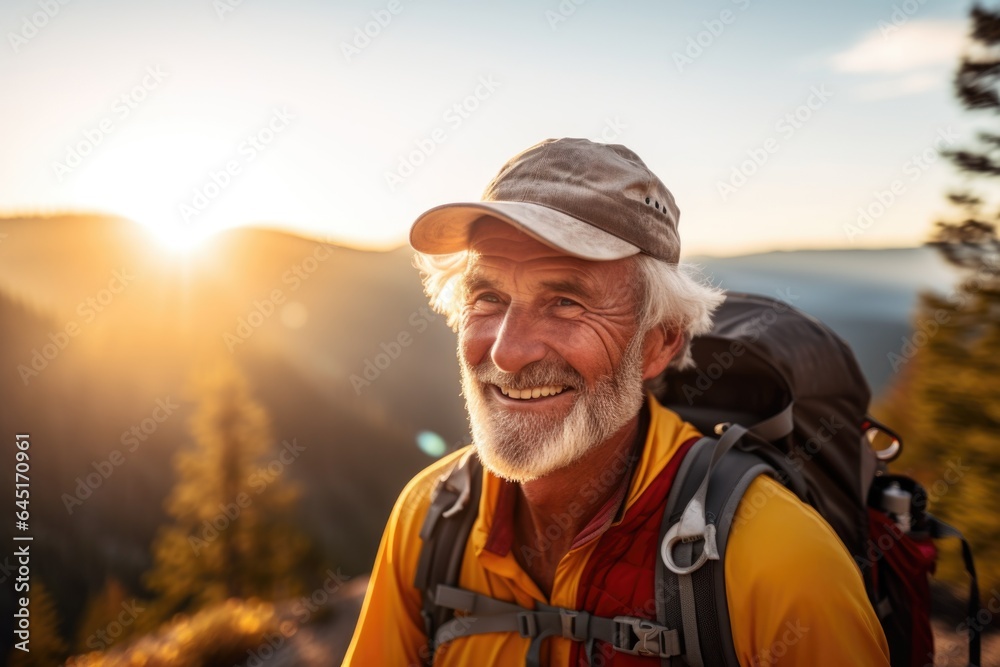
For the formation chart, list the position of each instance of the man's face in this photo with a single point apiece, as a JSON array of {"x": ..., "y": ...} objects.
[{"x": 551, "y": 363}]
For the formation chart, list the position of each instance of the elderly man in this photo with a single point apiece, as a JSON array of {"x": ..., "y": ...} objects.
[{"x": 564, "y": 287}]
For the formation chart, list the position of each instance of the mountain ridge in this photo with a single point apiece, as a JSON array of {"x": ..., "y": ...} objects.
[{"x": 312, "y": 323}]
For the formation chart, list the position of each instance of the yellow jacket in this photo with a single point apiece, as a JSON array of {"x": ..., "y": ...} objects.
[{"x": 796, "y": 596}]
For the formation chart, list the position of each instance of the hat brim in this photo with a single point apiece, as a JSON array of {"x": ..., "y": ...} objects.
[{"x": 445, "y": 229}]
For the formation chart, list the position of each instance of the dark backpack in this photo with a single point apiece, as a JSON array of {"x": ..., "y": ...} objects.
[{"x": 785, "y": 397}]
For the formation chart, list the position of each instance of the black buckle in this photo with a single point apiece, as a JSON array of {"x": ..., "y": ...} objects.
[
  {"x": 638, "y": 636},
  {"x": 527, "y": 626}
]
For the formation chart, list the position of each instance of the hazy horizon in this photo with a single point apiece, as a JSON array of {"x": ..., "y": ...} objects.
[
  {"x": 273, "y": 226},
  {"x": 775, "y": 125}
]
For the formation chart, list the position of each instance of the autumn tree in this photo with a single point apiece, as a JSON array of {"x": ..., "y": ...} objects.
[{"x": 231, "y": 533}]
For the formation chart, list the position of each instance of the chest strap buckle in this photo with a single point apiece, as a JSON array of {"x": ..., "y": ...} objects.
[{"x": 639, "y": 636}]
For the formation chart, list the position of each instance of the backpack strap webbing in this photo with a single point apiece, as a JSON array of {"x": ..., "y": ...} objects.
[
  {"x": 939, "y": 529},
  {"x": 445, "y": 531},
  {"x": 690, "y": 573},
  {"x": 483, "y": 614},
  {"x": 712, "y": 473}
]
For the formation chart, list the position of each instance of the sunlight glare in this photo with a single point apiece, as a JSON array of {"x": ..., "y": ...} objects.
[
  {"x": 178, "y": 238},
  {"x": 153, "y": 181}
]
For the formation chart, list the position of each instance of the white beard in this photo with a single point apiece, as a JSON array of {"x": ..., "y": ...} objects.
[{"x": 520, "y": 447}]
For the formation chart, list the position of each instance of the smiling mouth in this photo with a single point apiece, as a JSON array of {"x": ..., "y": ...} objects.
[{"x": 543, "y": 391}]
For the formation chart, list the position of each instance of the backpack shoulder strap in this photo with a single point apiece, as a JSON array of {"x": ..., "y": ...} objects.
[
  {"x": 693, "y": 600},
  {"x": 445, "y": 531},
  {"x": 690, "y": 573},
  {"x": 939, "y": 529}
]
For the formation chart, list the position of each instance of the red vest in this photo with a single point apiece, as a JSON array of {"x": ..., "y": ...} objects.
[{"x": 621, "y": 573}]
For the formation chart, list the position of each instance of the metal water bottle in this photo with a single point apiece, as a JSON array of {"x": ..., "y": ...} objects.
[{"x": 896, "y": 503}]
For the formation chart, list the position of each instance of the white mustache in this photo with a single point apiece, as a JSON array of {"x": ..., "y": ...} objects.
[{"x": 537, "y": 374}]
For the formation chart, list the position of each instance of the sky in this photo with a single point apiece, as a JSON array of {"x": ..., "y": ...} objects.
[{"x": 776, "y": 124}]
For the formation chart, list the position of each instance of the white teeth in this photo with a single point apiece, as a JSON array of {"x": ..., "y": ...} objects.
[{"x": 534, "y": 392}]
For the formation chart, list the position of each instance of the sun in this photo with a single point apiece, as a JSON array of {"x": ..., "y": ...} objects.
[
  {"x": 178, "y": 239},
  {"x": 155, "y": 180}
]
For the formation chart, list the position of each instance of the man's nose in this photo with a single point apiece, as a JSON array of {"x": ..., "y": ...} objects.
[{"x": 518, "y": 341}]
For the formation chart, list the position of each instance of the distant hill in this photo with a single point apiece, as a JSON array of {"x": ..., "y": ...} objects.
[
  {"x": 145, "y": 341},
  {"x": 866, "y": 296},
  {"x": 337, "y": 344}
]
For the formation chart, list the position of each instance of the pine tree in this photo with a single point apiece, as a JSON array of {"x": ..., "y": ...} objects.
[
  {"x": 962, "y": 376},
  {"x": 947, "y": 399},
  {"x": 950, "y": 417},
  {"x": 231, "y": 534},
  {"x": 47, "y": 646},
  {"x": 972, "y": 241}
]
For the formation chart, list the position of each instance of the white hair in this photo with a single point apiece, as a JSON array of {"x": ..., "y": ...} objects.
[
  {"x": 679, "y": 298},
  {"x": 674, "y": 296}
]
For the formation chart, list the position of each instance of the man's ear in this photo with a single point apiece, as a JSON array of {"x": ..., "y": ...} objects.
[{"x": 658, "y": 349}]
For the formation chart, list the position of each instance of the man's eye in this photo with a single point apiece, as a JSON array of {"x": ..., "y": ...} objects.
[
  {"x": 487, "y": 297},
  {"x": 564, "y": 301}
]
